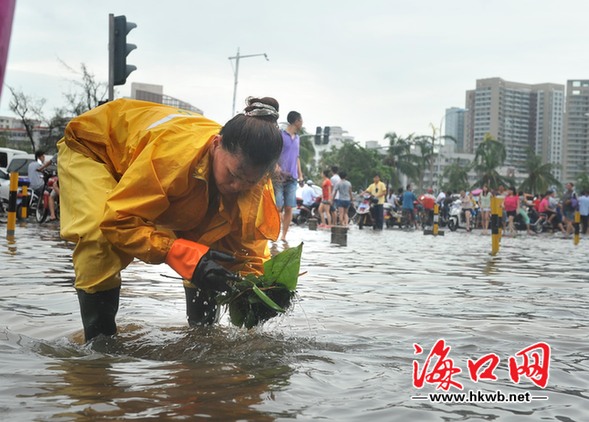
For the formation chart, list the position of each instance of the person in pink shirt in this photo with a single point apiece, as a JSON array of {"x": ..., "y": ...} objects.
[{"x": 511, "y": 205}]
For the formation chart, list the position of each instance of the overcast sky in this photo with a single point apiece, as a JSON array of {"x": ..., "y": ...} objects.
[{"x": 371, "y": 67}]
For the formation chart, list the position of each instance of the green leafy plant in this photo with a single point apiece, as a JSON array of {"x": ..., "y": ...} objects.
[{"x": 255, "y": 299}]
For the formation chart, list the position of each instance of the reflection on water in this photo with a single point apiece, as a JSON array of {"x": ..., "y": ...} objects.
[{"x": 344, "y": 352}]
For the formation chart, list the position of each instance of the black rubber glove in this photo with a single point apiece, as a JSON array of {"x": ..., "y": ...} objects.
[{"x": 209, "y": 275}]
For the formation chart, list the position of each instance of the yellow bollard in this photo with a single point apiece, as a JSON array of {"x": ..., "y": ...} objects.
[
  {"x": 495, "y": 234},
  {"x": 576, "y": 225},
  {"x": 11, "y": 223},
  {"x": 435, "y": 230},
  {"x": 25, "y": 202}
]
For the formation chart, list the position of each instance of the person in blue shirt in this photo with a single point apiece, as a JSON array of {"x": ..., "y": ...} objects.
[{"x": 408, "y": 200}]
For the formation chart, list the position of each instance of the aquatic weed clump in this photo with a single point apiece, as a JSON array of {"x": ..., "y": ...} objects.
[{"x": 255, "y": 299}]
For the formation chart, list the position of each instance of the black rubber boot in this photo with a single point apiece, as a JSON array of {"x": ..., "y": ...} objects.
[
  {"x": 98, "y": 312},
  {"x": 200, "y": 311}
]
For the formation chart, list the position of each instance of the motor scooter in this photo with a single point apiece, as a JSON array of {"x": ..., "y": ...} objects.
[
  {"x": 363, "y": 211},
  {"x": 456, "y": 218},
  {"x": 392, "y": 217},
  {"x": 302, "y": 213}
]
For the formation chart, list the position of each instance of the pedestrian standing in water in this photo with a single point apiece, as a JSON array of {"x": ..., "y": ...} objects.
[
  {"x": 584, "y": 211},
  {"x": 288, "y": 171},
  {"x": 326, "y": 199},
  {"x": 485, "y": 205},
  {"x": 161, "y": 184},
  {"x": 511, "y": 206},
  {"x": 378, "y": 190},
  {"x": 344, "y": 190}
]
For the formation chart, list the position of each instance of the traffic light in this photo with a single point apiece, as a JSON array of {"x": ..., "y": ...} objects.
[
  {"x": 121, "y": 49},
  {"x": 318, "y": 135},
  {"x": 326, "y": 135}
]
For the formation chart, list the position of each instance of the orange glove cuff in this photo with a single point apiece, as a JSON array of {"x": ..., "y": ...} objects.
[{"x": 184, "y": 256}]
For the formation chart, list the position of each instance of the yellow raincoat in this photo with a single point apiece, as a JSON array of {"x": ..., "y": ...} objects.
[{"x": 134, "y": 176}]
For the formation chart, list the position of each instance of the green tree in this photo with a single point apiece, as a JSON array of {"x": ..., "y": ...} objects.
[
  {"x": 540, "y": 176},
  {"x": 489, "y": 156},
  {"x": 360, "y": 163},
  {"x": 307, "y": 154},
  {"x": 434, "y": 139},
  {"x": 398, "y": 158},
  {"x": 457, "y": 175},
  {"x": 423, "y": 159},
  {"x": 582, "y": 182}
]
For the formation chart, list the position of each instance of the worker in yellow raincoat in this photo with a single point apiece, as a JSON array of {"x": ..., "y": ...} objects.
[{"x": 147, "y": 181}]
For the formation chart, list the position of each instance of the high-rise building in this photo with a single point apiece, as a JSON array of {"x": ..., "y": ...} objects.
[
  {"x": 454, "y": 126},
  {"x": 522, "y": 116},
  {"x": 548, "y": 124},
  {"x": 576, "y": 132}
]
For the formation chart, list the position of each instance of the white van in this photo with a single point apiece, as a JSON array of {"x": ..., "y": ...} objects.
[
  {"x": 6, "y": 155},
  {"x": 20, "y": 164}
]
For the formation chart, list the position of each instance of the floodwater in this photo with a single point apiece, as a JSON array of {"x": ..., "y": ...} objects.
[{"x": 344, "y": 352}]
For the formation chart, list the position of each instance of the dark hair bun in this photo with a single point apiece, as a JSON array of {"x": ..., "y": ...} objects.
[{"x": 265, "y": 107}]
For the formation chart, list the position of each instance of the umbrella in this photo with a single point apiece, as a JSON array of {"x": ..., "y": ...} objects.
[{"x": 476, "y": 192}]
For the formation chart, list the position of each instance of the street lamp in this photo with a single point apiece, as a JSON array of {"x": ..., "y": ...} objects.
[{"x": 236, "y": 71}]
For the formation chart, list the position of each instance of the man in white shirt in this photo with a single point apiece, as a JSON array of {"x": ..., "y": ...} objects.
[
  {"x": 35, "y": 173},
  {"x": 308, "y": 194}
]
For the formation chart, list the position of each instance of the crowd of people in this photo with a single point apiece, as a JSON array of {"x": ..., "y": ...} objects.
[
  {"x": 519, "y": 209},
  {"x": 555, "y": 214}
]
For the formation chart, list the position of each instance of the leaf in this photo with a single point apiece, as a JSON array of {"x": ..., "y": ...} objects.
[
  {"x": 284, "y": 268},
  {"x": 266, "y": 299}
]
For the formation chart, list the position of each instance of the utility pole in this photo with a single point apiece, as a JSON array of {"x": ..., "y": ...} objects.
[{"x": 236, "y": 72}]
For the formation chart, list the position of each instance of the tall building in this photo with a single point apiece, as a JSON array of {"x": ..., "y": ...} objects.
[
  {"x": 576, "y": 132},
  {"x": 548, "y": 124},
  {"x": 522, "y": 116},
  {"x": 454, "y": 126}
]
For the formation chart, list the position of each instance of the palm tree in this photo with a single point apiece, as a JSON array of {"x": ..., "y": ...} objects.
[
  {"x": 540, "y": 176},
  {"x": 489, "y": 156},
  {"x": 424, "y": 159},
  {"x": 433, "y": 139},
  {"x": 398, "y": 158},
  {"x": 457, "y": 175}
]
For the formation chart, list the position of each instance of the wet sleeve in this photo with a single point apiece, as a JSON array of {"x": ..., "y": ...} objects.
[
  {"x": 139, "y": 198},
  {"x": 250, "y": 255}
]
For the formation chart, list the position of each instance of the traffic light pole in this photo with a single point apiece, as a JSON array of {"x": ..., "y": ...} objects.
[
  {"x": 111, "y": 56},
  {"x": 118, "y": 50},
  {"x": 236, "y": 58}
]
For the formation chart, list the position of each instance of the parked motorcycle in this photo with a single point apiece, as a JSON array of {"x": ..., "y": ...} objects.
[
  {"x": 42, "y": 209},
  {"x": 392, "y": 217}
]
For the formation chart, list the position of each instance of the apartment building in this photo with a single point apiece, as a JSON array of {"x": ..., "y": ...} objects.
[
  {"x": 522, "y": 116},
  {"x": 576, "y": 130}
]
